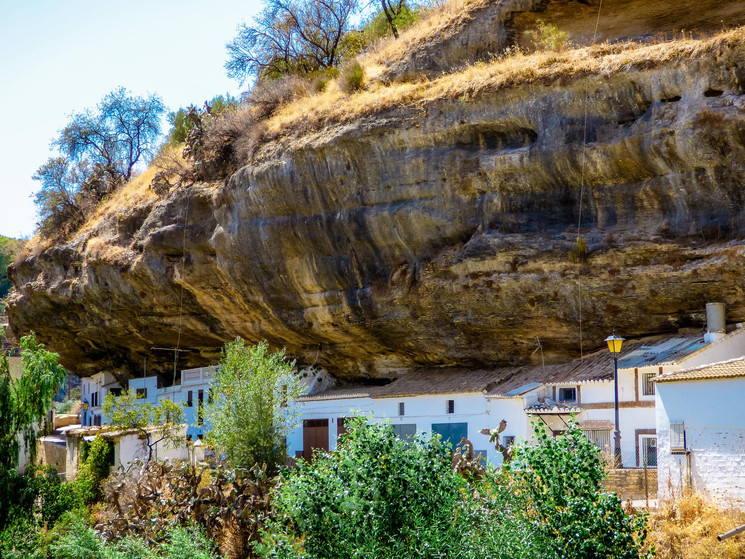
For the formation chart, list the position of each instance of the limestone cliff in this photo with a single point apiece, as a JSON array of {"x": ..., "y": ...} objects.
[{"x": 434, "y": 226}]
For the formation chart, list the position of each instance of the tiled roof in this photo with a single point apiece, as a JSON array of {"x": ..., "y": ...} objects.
[
  {"x": 439, "y": 381},
  {"x": 341, "y": 393},
  {"x": 595, "y": 366},
  {"x": 596, "y": 425},
  {"x": 726, "y": 369},
  {"x": 548, "y": 405}
]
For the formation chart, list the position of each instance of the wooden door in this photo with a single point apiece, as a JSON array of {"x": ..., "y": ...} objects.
[{"x": 315, "y": 435}]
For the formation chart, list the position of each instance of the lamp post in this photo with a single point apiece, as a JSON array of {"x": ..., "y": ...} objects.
[
  {"x": 85, "y": 412},
  {"x": 614, "y": 345}
]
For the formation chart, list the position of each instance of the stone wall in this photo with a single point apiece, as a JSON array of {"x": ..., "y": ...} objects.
[{"x": 629, "y": 483}]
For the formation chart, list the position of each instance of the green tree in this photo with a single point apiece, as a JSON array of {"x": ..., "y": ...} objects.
[
  {"x": 375, "y": 497},
  {"x": 8, "y": 249},
  {"x": 290, "y": 36},
  {"x": 561, "y": 479},
  {"x": 253, "y": 408},
  {"x": 161, "y": 422},
  {"x": 181, "y": 124},
  {"x": 99, "y": 150},
  {"x": 24, "y": 403}
]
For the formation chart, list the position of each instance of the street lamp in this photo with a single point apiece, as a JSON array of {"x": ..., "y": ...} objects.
[
  {"x": 614, "y": 345},
  {"x": 85, "y": 410}
]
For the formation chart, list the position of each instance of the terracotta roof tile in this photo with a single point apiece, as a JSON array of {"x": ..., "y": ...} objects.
[{"x": 726, "y": 369}]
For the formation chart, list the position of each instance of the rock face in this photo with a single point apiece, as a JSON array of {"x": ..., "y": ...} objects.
[{"x": 439, "y": 233}]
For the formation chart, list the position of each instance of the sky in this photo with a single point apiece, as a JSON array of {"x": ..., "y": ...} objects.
[{"x": 58, "y": 57}]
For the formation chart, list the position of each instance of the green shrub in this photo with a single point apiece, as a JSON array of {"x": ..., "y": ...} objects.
[
  {"x": 377, "y": 496},
  {"x": 78, "y": 540},
  {"x": 189, "y": 543},
  {"x": 95, "y": 466},
  {"x": 547, "y": 36},
  {"x": 352, "y": 77},
  {"x": 561, "y": 481}
]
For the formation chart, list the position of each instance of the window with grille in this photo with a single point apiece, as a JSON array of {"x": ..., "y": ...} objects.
[
  {"x": 648, "y": 384},
  {"x": 450, "y": 406},
  {"x": 567, "y": 394},
  {"x": 649, "y": 451},
  {"x": 401, "y": 408},
  {"x": 601, "y": 438},
  {"x": 677, "y": 437}
]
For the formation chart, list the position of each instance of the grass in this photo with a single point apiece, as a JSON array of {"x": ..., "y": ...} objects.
[
  {"x": 435, "y": 21},
  {"x": 687, "y": 528},
  {"x": 334, "y": 106}
]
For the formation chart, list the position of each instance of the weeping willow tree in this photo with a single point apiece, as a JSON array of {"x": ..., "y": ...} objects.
[{"x": 24, "y": 402}]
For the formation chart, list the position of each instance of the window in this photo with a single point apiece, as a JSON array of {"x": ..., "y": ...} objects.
[
  {"x": 649, "y": 451},
  {"x": 401, "y": 408},
  {"x": 189, "y": 399},
  {"x": 450, "y": 406},
  {"x": 601, "y": 438},
  {"x": 648, "y": 384},
  {"x": 116, "y": 392},
  {"x": 142, "y": 393},
  {"x": 94, "y": 399},
  {"x": 567, "y": 394},
  {"x": 405, "y": 431},
  {"x": 200, "y": 410},
  {"x": 451, "y": 432},
  {"x": 677, "y": 437},
  {"x": 507, "y": 441}
]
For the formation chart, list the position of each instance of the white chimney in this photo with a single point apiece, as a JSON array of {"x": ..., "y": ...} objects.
[{"x": 714, "y": 322}]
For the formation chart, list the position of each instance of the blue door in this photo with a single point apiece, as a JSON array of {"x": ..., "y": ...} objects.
[{"x": 451, "y": 432}]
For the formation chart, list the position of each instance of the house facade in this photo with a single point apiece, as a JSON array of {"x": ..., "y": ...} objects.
[{"x": 701, "y": 431}]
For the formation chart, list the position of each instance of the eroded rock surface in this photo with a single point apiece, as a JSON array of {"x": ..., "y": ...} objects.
[{"x": 442, "y": 233}]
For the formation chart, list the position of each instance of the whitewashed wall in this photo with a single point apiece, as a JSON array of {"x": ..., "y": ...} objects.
[
  {"x": 714, "y": 415},
  {"x": 423, "y": 411},
  {"x": 129, "y": 448}
]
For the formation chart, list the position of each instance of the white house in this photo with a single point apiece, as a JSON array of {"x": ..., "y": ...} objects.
[
  {"x": 460, "y": 404},
  {"x": 701, "y": 431}
]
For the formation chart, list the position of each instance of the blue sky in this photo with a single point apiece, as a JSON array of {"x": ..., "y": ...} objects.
[{"x": 61, "y": 56}]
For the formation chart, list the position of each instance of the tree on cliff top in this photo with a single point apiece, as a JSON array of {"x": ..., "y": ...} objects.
[
  {"x": 290, "y": 36},
  {"x": 100, "y": 150}
]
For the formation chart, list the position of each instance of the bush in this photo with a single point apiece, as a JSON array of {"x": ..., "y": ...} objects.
[
  {"x": 377, "y": 496},
  {"x": 95, "y": 467},
  {"x": 547, "y": 36},
  {"x": 352, "y": 77},
  {"x": 191, "y": 543},
  {"x": 561, "y": 479}
]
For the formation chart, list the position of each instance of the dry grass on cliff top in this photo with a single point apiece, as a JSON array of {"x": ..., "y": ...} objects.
[
  {"x": 436, "y": 20},
  {"x": 517, "y": 69}
]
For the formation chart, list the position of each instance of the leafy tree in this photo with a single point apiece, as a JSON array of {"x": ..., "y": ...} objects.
[
  {"x": 8, "y": 249},
  {"x": 253, "y": 410},
  {"x": 100, "y": 149},
  {"x": 290, "y": 36},
  {"x": 57, "y": 202},
  {"x": 161, "y": 422},
  {"x": 117, "y": 136},
  {"x": 23, "y": 405},
  {"x": 181, "y": 124},
  {"x": 389, "y": 20},
  {"x": 375, "y": 497},
  {"x": 561, "y": 479}
]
